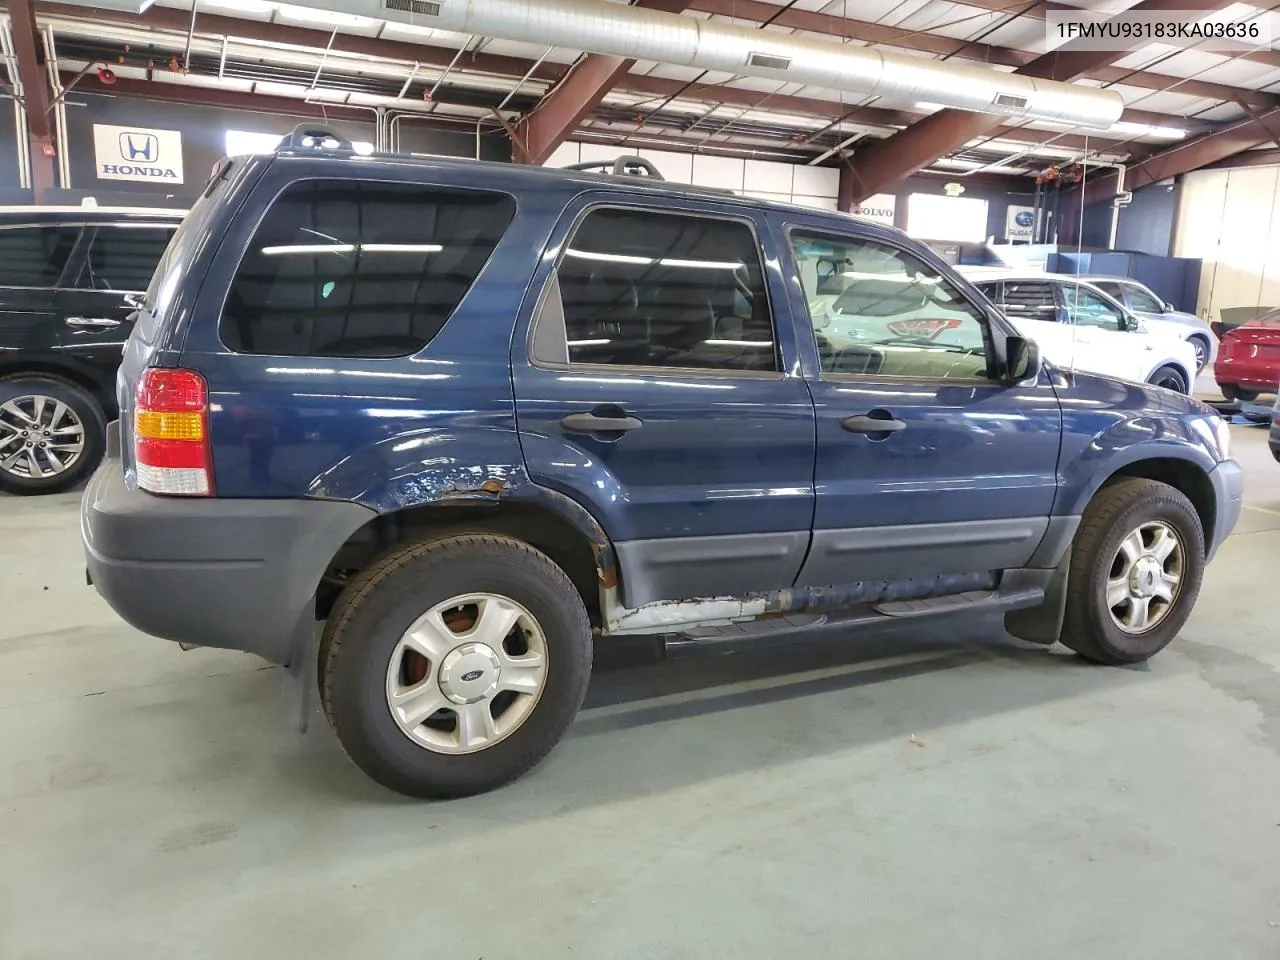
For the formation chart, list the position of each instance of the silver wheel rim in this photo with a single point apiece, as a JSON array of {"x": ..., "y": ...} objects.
[
  {"x": 1202, "y": 353},
  {"x": 40, "y": 437},
  {"x": 1171, "y": 382},
  {"x": 467, "y": 673},
  {"x": 1145, "y": 577}
]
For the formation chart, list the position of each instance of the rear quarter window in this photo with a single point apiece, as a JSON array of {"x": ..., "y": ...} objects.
[{"x": 349, "y": 269}]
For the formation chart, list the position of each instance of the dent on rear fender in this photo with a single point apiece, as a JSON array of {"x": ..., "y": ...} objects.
[{"x": 483, "y": 465}]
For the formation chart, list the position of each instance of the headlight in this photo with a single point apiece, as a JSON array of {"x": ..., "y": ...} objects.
[{"x": 1222, "y": 430}]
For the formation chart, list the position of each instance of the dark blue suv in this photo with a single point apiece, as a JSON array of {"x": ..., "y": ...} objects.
[{"x": 461, "y": 418}]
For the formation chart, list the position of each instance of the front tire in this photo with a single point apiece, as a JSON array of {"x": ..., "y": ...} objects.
[
  {"x": 1136, "y": 567},
  {"x": 453, "y": 666},
  {"x": 52, "y": 433},
  {"x": 1170, "y": 378}
]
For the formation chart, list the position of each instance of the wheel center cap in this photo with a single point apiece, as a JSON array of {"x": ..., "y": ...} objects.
[
  {"x": 469, "y": 673},
  {"x": 1146, "y": 574}
]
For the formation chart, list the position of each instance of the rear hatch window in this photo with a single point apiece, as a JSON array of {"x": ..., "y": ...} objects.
[{"x": 340, "y": 268}]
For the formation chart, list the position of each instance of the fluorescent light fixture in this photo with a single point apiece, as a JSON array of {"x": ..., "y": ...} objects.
[
  {"x": 318, "y": 248},
  {"x": 401, "y": 248},
  {"x": 738, "y": 343},
  {"x": 649, "y": 261},
  {"x": 607, "y": 257},
  {"x": 309, "y": 248},
  {"x": 700, "y": 264},
  {"x": 146, "y": 5},
  {"x": 588, "y": 343},
  {"x": 1128, "y": 129},
  {"x": 928, "y": 105}
]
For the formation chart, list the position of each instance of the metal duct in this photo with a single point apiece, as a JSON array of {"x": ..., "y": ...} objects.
[{"x": 643, "y": 34}]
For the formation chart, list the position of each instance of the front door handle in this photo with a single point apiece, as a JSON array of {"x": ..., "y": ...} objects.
[
  {"x": 864, "y": 423},
  {"x": 105, "y": 323},
  {"x": 591, "y": 423}
]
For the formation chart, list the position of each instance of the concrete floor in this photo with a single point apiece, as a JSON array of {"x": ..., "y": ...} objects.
[{"x": 944, "y": 795}]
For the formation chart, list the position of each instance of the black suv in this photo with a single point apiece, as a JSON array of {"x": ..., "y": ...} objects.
[{"x": 69, "y": 282}]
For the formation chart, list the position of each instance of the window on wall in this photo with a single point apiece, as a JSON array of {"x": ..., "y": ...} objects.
[
  {"x": 241, "y": 142},
  {"x": 346, "y": 269},
  {"x": 931, "y": 216},
  {"x": 651, "y": 289}
]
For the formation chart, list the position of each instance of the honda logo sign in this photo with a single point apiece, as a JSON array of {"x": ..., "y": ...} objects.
[{"x": 133, "y": 153}]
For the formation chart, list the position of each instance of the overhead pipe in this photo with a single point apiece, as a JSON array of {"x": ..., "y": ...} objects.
[{"x": 640, "y": 33}]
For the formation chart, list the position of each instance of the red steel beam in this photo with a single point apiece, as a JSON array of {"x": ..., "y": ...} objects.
[
  {"x": 1040, "y": 11},
  {"x": 850, "y": 29},
  {"x": 558, "y": 114},
  {"x": 35, "y": 96},
  {"x": 1212, "y": 149},
  {"x": 880, "y": 165}
]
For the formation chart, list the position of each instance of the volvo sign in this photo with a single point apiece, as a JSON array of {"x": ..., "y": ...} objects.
[{"x": 134, "y": 153}]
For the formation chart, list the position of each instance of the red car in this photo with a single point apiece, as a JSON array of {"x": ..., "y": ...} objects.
[{"x": 1248, "y": 361}]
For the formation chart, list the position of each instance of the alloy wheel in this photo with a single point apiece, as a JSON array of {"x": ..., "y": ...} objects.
[
  {"x": 467, "y": 673},
  {"x": 40, "y": 437},
  {"x": 1145, "y": 577}
]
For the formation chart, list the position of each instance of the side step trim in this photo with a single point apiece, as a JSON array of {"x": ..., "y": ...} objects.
[{"x": 753, "y": 634}]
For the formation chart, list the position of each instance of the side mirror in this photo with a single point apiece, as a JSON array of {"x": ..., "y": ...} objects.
[
  {"x": 1131, "y": 324},
  {"x": 1168, "y": 307},
  {"x": 1022, "y": 359}
]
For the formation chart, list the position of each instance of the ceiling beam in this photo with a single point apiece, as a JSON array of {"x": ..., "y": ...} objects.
[
  {"x": 558, "y": 114},
  {"x": 1040, "y": 11},
  {"x": 758, "y": 11},
  {"x": 881, "y": 164},
  {"x": 216, "y": 25},
  {"x": 1211, "y": 149},
  {"x": 35, "y": 96},
  {"x": 227, "y": 99}
]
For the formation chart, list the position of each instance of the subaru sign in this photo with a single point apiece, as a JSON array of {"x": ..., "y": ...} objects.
[
  {"x": 1018, "y": 224},
  {"x": 138, "y": 154}
]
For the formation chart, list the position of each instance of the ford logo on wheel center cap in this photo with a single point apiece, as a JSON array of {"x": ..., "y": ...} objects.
[{"x": 471, "y": 675}]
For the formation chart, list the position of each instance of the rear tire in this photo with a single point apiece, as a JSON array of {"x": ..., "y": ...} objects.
[
  {"x": 1170, "y": 378},
  {"x": 37, "y": 409},
  {"x": 1107, "y": 619},
  {"x": 1232, "y": 392},
  {"x": 482, "y": 635}
]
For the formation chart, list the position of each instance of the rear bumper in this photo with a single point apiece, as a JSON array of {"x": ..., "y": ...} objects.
[
  {"x": 230, "y": 573},
  {"x": 1228, "y": 489}
]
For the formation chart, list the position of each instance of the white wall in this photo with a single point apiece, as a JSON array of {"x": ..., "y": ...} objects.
[
  {"x": 1230, "y": 219},
  {"x": 789, "y": 183}
]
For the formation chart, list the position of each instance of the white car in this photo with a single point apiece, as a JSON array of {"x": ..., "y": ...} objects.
[
  {"x": 1077, "y": 326},
  {"x": 1159, "y": 316}
]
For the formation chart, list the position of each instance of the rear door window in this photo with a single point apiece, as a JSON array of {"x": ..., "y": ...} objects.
[
  {"x": 35, "y": 256},
  {"x": 1032, "y": 299},
  {"x": 123, "y": 258},
  {"x": 349, "y": 269},
  {"x": 644, "y": 288}
]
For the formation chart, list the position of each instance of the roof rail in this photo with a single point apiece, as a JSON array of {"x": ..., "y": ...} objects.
[
  {"x": 314, "y": 136},
  {"x": 625, "y": 165}
]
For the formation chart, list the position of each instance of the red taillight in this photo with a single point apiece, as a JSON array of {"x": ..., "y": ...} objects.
[{"x": 171, "y": 433}]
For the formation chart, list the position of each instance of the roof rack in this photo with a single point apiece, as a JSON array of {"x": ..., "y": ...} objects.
[
  {"x": 314, "y": 136},
  {"x": 630, "y": 165}
]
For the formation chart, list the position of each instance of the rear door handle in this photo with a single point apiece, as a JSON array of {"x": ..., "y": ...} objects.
[
  {"x": 590, "y": 423},
  {"x": 105, "y": 323},
  {"x": 862, "y": 423}
]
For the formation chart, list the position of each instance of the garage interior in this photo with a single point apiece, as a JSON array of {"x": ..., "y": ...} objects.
[{"x": 915, "y": 792}]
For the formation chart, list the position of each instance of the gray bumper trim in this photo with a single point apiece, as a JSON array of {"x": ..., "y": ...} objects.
[
  {"x": 1228, "y": 494},
  {"x": 230, "y": 573}
]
